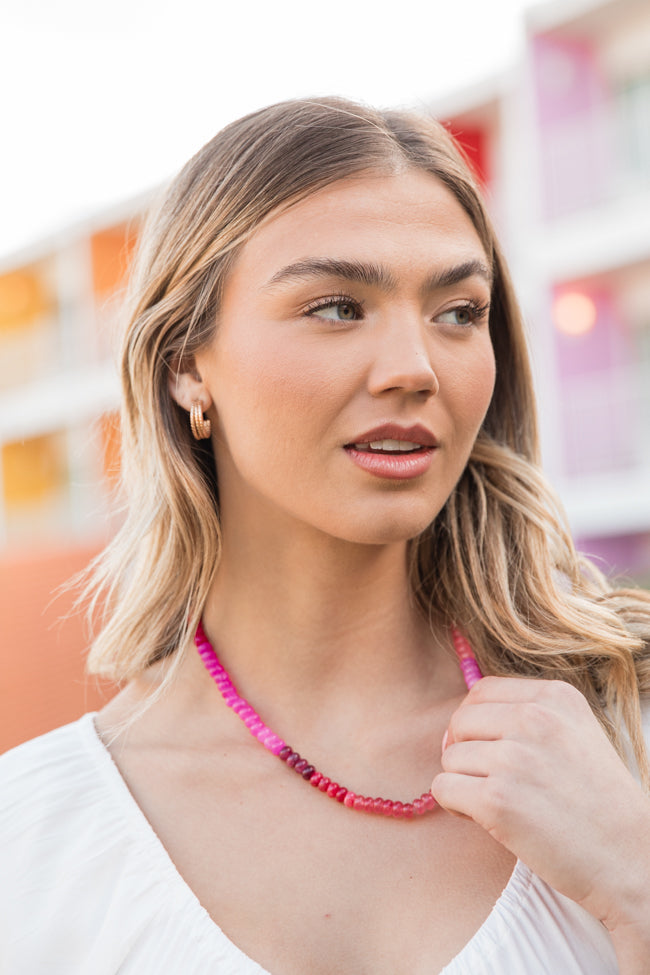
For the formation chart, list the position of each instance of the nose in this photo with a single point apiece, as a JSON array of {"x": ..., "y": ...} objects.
[{"x": 402, "y": 360}]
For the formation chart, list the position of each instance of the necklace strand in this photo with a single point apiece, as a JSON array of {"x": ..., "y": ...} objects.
[{"x": 275, "y": 744}]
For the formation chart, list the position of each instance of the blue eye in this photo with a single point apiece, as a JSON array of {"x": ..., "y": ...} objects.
[
  {"x": 463, "y": 315},
  {"x": 335, "y": 310}
]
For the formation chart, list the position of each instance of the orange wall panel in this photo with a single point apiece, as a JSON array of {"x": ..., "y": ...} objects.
[
  {"x": 111, "y": 446},
  {"x": 42, "y": 679},
  {"x": 111, "y": 251}
]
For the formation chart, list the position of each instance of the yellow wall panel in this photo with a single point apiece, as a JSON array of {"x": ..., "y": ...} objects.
[
  {"x": 33, "y": 470},
  {"x": 24, "y": 298}
]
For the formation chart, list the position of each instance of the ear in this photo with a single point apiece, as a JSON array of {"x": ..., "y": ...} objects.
[{"x": 186, "y": 386}]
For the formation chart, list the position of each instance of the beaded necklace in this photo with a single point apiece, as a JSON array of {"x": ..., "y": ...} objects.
[{"x": 275, "y": 744}]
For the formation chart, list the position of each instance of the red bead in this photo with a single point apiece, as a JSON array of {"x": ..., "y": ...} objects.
[
  {"x": 340, "y": 794},
  {"x": 377, "y": 805},
  {"x": 407, "y": 811},
  {"x": 284, "y": 754},
  {"x": 387, "y": 807},
  {"x": 428, "y": 800},
  {"x": 359, "y": 802},
  {"x": 301, "y": 765},
  {"x": 418, "y": 805},
  {"x": 349, "y": 799},
  {"x": 397, "y": 809},
  {"x": 324, "y": 784},
  {"x": 307, "y": 772},
  {"x": 316, "y": 779},
  {"x": 333, "y": 788},
  {"x": 293, "y": 758}
]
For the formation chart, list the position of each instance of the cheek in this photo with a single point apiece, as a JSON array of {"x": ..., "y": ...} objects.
[
  {"x": 480, "y": 386},
  {"x": 286, "y": 392},
  {"x": 470, "y": 389}
]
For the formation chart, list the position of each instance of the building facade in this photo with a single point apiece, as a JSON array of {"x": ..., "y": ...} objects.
[{"x": 563, "y": 147}]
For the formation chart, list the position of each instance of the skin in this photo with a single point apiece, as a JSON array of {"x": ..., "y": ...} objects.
[{"x": 311, "y": 603}]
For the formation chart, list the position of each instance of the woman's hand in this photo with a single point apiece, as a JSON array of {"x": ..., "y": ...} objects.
[{"x": 529, "y": 762}]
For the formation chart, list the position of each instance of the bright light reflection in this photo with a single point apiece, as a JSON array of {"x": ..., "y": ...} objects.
[{"x": 574, "y": 313}]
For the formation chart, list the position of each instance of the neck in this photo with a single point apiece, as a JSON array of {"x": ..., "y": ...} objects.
[{"x": 301, "y": 619}]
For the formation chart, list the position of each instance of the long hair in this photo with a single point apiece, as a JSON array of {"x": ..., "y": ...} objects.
[{"x": 498, "y": 560}]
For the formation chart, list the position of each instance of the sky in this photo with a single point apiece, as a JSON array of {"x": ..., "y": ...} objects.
[{"x": 103, "y": 101}]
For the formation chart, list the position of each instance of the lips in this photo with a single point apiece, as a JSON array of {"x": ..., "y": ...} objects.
[
  {"x": 393, "y": 452},
  {"x": 394, "y": 439}
]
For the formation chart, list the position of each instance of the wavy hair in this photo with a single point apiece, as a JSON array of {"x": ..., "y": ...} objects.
[{"x": 498, "y": 559}]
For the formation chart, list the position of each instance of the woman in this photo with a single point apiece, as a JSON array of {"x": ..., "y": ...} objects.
[{"x": 330, "y": 445}]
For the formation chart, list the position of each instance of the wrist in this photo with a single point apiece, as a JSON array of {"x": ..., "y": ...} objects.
[{"x": 628, "y": 922}]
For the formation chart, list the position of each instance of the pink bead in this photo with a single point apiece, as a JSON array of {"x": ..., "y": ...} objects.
[
  {"x": 359, "y": 802},
  {"x": 387, "y": 807},
  {"x": 419, "y": 807},
  {"x": 377, "y": 805},
  {"x": 350, "y": 799},
  {"x": 408, "y": 810},
  {"x": 398, "y": 808}
]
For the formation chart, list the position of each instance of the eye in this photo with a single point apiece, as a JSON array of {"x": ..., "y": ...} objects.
[
  {"x": 470, "y": 313},
  {"x": 335, "y": 309}
]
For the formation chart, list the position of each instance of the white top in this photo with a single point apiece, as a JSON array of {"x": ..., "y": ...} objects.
[{"x": 88, "y": 889}]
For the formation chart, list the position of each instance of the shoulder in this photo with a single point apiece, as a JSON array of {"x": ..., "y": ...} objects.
[
  {"x": 85, "y": 885},
  {"x": 46, "y": 772},
  {"x": 48, "y": 787}
]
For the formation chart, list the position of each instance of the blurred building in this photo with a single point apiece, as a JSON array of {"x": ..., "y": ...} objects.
[
  {"x": 562, "y": 145},
  {"x": 59, "y": 458}
]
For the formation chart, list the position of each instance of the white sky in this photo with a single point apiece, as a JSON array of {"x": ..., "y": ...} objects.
[{"x": 102, "y": 100}]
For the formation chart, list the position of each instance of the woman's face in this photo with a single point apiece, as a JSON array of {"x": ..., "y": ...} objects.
[{"x": 352, "y": 364}]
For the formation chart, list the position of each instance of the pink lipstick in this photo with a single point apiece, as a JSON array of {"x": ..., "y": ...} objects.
[{"x": 393, "y": 451}]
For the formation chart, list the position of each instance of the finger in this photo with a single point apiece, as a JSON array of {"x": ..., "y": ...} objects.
[
  {"x": 554, "y": 693},
  {"x": 460, "y": 794},
  {"x": 485, "y": 722},
  {"x": 474, "y": 757}
]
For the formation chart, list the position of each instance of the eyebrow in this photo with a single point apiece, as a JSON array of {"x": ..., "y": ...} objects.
[{"x": 374, "y": 274}]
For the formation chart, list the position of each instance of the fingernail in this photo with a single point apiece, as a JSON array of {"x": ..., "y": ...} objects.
[{"x": 444, "y": 741}]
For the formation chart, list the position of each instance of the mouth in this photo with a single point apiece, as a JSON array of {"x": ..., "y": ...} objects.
[
  {"x": 394, "y": 439},
  {"x": 393, "y": 452},
  {"x": 388, "y": 446}
]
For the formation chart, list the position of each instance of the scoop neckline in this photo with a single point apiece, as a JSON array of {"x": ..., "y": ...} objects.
[{"x": 484, "y": 942}]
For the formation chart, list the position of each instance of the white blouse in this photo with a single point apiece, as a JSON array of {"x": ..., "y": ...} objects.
[{"x": 86, "y": 887}]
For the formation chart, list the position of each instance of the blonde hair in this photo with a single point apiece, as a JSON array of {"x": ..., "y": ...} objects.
[{"x": 498, "y": 560}]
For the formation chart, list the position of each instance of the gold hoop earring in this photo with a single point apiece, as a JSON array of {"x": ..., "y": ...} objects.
[{"x": 201, "y": 426}]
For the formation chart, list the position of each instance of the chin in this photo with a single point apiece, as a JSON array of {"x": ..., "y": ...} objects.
[{"x": 385, "y": 531}]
